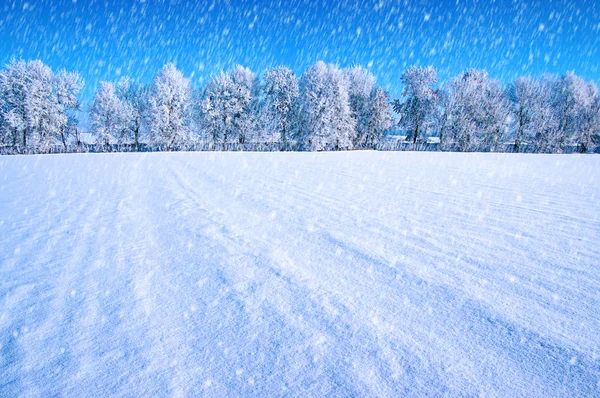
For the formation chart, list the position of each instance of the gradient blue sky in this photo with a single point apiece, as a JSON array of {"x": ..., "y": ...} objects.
[{"x": 106, "y": 39}]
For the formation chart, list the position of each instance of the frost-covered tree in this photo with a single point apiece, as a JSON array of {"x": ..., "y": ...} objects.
[
  {"x": 108, "y": 116},
  {"x": 13, "y": 94},
  {"x": 36, "y": 103},
  {"x": 280, "y": 91},
  {"x": 169, "y": 107},
  {"x": 417, "y": 109},
  {"x": 445, "y": 107},
  {"x": 40, "y": 105},
  {"x": 596, "y": 121},
  {"x": 523, "y": 96},
  {"x": 343, "y": 124},
  {"x": 218, "y": 107},
  {"x": 134, "y": 97},
  {"x": 573, "y": 106},
  {"x": 464, "y": 92},
  {"x": 533, "y": 116},
  {"x": 361, "y": 87},
  {"x": 228, "y": 106},
  {"x": 67, "y": 86},
  {"x": 546, "y": 124},
  {"x": 246, "y": 90},
  {"x": 479, "y": 111},
  {"x": 380, "y": 117},
  {"x": 29, "y": 103},
  {"x": 324, "y": 105},
  {"x": 496, "y": 110},
  {"x": 588, "y": 124}
]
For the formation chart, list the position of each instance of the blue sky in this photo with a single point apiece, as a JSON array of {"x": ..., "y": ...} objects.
[{"x": 106, "y": 39}]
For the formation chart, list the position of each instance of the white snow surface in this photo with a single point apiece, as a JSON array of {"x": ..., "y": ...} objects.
[{"x": 300, "y": 274}]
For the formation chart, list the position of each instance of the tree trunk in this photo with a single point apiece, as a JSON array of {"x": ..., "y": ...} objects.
[
  {"x": 224, "y": 133},
  {"x": 563, "y": 136},
  {"x": 416, "y": 134},
  {"x": 519, "y": 136},
  {"x": 170, "y": 144},
  {"x": 136, "y": 137},
  {"x": 518, "y": 142},
  {"x": 78, "y": 141},
  {"x": 585, "y": 139},
  {"x": 63, "y": 138},
  {"x": 466, "y": 143}
]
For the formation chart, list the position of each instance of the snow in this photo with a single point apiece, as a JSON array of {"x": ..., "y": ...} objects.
[{"x": 303, "y": 274}]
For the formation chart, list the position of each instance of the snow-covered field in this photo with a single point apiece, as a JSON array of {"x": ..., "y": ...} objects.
[{"x": 300, "y": 274}]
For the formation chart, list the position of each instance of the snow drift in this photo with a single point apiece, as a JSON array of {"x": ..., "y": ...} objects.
[{"x": 330, "y": 274}]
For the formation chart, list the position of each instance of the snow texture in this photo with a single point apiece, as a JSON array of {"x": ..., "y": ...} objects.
[{"x": 300, "y": 274}]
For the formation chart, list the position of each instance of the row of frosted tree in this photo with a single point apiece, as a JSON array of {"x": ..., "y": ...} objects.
[
  {"x": 473, "y": 112},
  {"x": 327, "y": 108}
]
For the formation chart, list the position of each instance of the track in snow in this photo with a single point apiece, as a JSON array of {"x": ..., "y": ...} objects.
[{"x": 344, "y": 274}]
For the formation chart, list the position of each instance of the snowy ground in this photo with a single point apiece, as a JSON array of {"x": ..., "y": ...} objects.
[{"x": 338, "y": 274}]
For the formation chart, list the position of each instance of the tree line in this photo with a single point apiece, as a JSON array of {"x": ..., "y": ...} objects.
[{"x": 326, "y": 108}]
